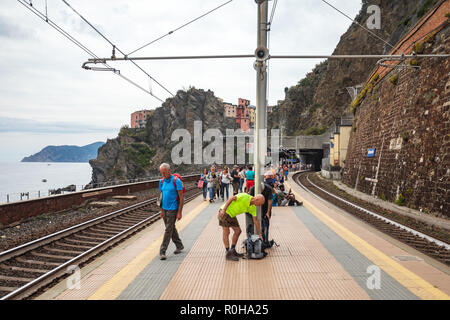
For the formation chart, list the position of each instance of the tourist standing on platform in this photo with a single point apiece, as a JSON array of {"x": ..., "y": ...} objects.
[
  {"x": 172, "y": 203},
  {"x": 250, "y": 178},
  {"x": 235, "y": 206},
  {"x": 212, "y": 178},
  {"x": 218, "y": 184},
  {"x": 205, "y": 183},
  {"x": 241, "y": 178},
  {"x": 235, "y": 177},
  {"x": 269, "y": 179},
  {"x": 266, "y": 210},
  {"x": 225, "y": 183},
  {"x": 286, "y": 171}
]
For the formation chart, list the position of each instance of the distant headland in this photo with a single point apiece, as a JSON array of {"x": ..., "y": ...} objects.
[{"x": 66, "y": 153}]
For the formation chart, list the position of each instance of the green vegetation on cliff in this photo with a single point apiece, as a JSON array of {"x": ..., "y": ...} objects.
[{"x": 322, "y": 97}]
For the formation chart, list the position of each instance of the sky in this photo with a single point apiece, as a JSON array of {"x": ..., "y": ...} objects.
[{"x": 46, "y": 98}]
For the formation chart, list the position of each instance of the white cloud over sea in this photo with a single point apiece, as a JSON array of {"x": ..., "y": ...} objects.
[{"x": 47, "y": 98}]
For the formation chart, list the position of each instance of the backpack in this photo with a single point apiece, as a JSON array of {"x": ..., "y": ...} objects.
[
  {"x": 175, "y": 177},
  {"x": 254, "y": 247},
  {"x": 253, "y": 244}
]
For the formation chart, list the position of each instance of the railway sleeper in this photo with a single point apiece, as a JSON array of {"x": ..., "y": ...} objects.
[
  {"x": 128, "y": 223},
  {"x": 105, "y": 230},
  {"x": 84, "y": 242},
  {"x": 135, "y": 217},
  {"x": 51, "y": 256},
  {"x": 131, "y": 222},
  {"x": 37, "y": 262},
  {"x": 61, "y": 244},
  {"x": 15, "y": 279},
  {"x": 70, "y": 252},
  {"x": 117, "y": 226},
  {"x": 91, "y": 236},
  {"x": 14, "y": 268},
  {"x": 102, "y": 233},
  {"x": 8, "y": 289}
]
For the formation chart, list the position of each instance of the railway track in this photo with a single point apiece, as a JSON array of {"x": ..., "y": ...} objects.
[
  {"x": 424, "y": 243},
  {"x": 33, "y": 266}
]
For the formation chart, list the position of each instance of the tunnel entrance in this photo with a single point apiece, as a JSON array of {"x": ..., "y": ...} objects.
[{"x": 312, "y": 157}]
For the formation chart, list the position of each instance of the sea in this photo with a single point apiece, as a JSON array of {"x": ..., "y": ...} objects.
[{"x": 36, "y": 178}]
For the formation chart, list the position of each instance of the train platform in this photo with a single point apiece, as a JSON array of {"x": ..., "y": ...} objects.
[{"x": 323, "y": 253}]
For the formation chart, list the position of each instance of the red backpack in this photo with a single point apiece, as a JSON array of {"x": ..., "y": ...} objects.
[
  {"x": 175, "y": 177},
  {"x": 175, "y": 184}
]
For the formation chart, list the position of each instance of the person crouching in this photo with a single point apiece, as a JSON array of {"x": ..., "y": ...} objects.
[{"x": 236, "y": 205}]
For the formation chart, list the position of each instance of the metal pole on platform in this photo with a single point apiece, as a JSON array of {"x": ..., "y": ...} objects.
[{"x": 260, "y": 140}]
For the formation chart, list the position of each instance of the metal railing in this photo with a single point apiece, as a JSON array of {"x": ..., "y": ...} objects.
[{"x": 36, "y": 194}]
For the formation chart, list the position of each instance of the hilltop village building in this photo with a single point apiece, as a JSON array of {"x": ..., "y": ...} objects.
[
  {"x": 139, "y": 118},
  {"x": 243, "y": 112},
  {"x": 229, "y": 110}
]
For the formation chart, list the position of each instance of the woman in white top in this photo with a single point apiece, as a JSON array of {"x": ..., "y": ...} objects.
[
  {"x": 226, "y": 179},
  {"x": 241, "y": 179}
]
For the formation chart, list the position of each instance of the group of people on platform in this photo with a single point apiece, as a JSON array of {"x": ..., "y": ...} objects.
[{"x": 218, "y": 182}]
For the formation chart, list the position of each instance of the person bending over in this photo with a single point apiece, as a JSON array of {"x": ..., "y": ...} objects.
[{"x": 236, "y": 205}]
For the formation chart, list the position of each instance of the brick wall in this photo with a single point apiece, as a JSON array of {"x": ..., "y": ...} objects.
[{"x": 413, "y": 119}]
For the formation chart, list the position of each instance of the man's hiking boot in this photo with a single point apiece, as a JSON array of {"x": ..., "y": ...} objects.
[
  {"x": 178, "y": 250},
  {"x": 230, "y": 256},
  {"x": 162, "y": 256},
  {"x": 239, "y": 255}
]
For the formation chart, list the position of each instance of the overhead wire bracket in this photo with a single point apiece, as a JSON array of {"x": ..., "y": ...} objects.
[
  {"x": 402, "y": 59},
  {"x": 85, "y": 66}
]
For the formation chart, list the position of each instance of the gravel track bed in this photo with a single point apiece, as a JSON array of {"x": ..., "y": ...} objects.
[
  {"x": 20, "y": 274},
  {"x": 431, "y": 230},
  {"x": 430, "y": 249},
  {"x": 40, "y": 226},
  {"x": 28, "y": 265}
]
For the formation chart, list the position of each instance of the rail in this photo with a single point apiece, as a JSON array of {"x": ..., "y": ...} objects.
[
  {"x": 419, "y": 240},
  {"x": 128, "y": 217}
]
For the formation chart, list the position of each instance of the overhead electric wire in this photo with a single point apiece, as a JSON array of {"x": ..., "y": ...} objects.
[
  {"x": 114, "y": 46},
  {"x": 180, "y": 27},
  {"x": 269, "y": 29},
  {"x": 77, "y": 43},
  {"x": 274, "y": 7},
  {"x": 356, "y": 22}
]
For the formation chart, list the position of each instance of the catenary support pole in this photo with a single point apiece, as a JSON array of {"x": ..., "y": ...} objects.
[{"x": 260, "y": 132}]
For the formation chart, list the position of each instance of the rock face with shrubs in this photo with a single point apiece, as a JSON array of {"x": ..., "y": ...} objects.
[
  {"x": 137, "y": 153},
  {"x": 322, "y": 96}
]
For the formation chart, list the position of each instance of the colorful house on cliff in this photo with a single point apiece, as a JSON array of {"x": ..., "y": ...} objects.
[{"x": 139, "y": 118}]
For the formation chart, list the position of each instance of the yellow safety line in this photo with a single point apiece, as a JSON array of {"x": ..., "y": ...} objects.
[
  {"x": 418, "y": 286},
  {"x": 113, "y": 287}
]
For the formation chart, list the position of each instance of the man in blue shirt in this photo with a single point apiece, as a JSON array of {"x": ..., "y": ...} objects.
[{"x": 172, "y": 202}]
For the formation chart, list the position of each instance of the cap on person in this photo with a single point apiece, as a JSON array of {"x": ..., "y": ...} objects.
[{"x": 268, "y": 174}]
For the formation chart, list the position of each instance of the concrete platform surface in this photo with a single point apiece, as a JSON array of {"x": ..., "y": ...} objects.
[{"x": 323, "y": 253}]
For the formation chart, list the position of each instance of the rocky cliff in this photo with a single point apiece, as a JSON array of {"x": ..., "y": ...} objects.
[
  {"x": 138, "y": 152},
  {"x": 317, "y": 100}
]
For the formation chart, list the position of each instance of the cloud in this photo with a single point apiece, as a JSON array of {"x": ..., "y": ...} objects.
[
  {"x": 32, "y": 126},
  {"x": 41, "y": 76},
  {"x": 13, "y": 30}
]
